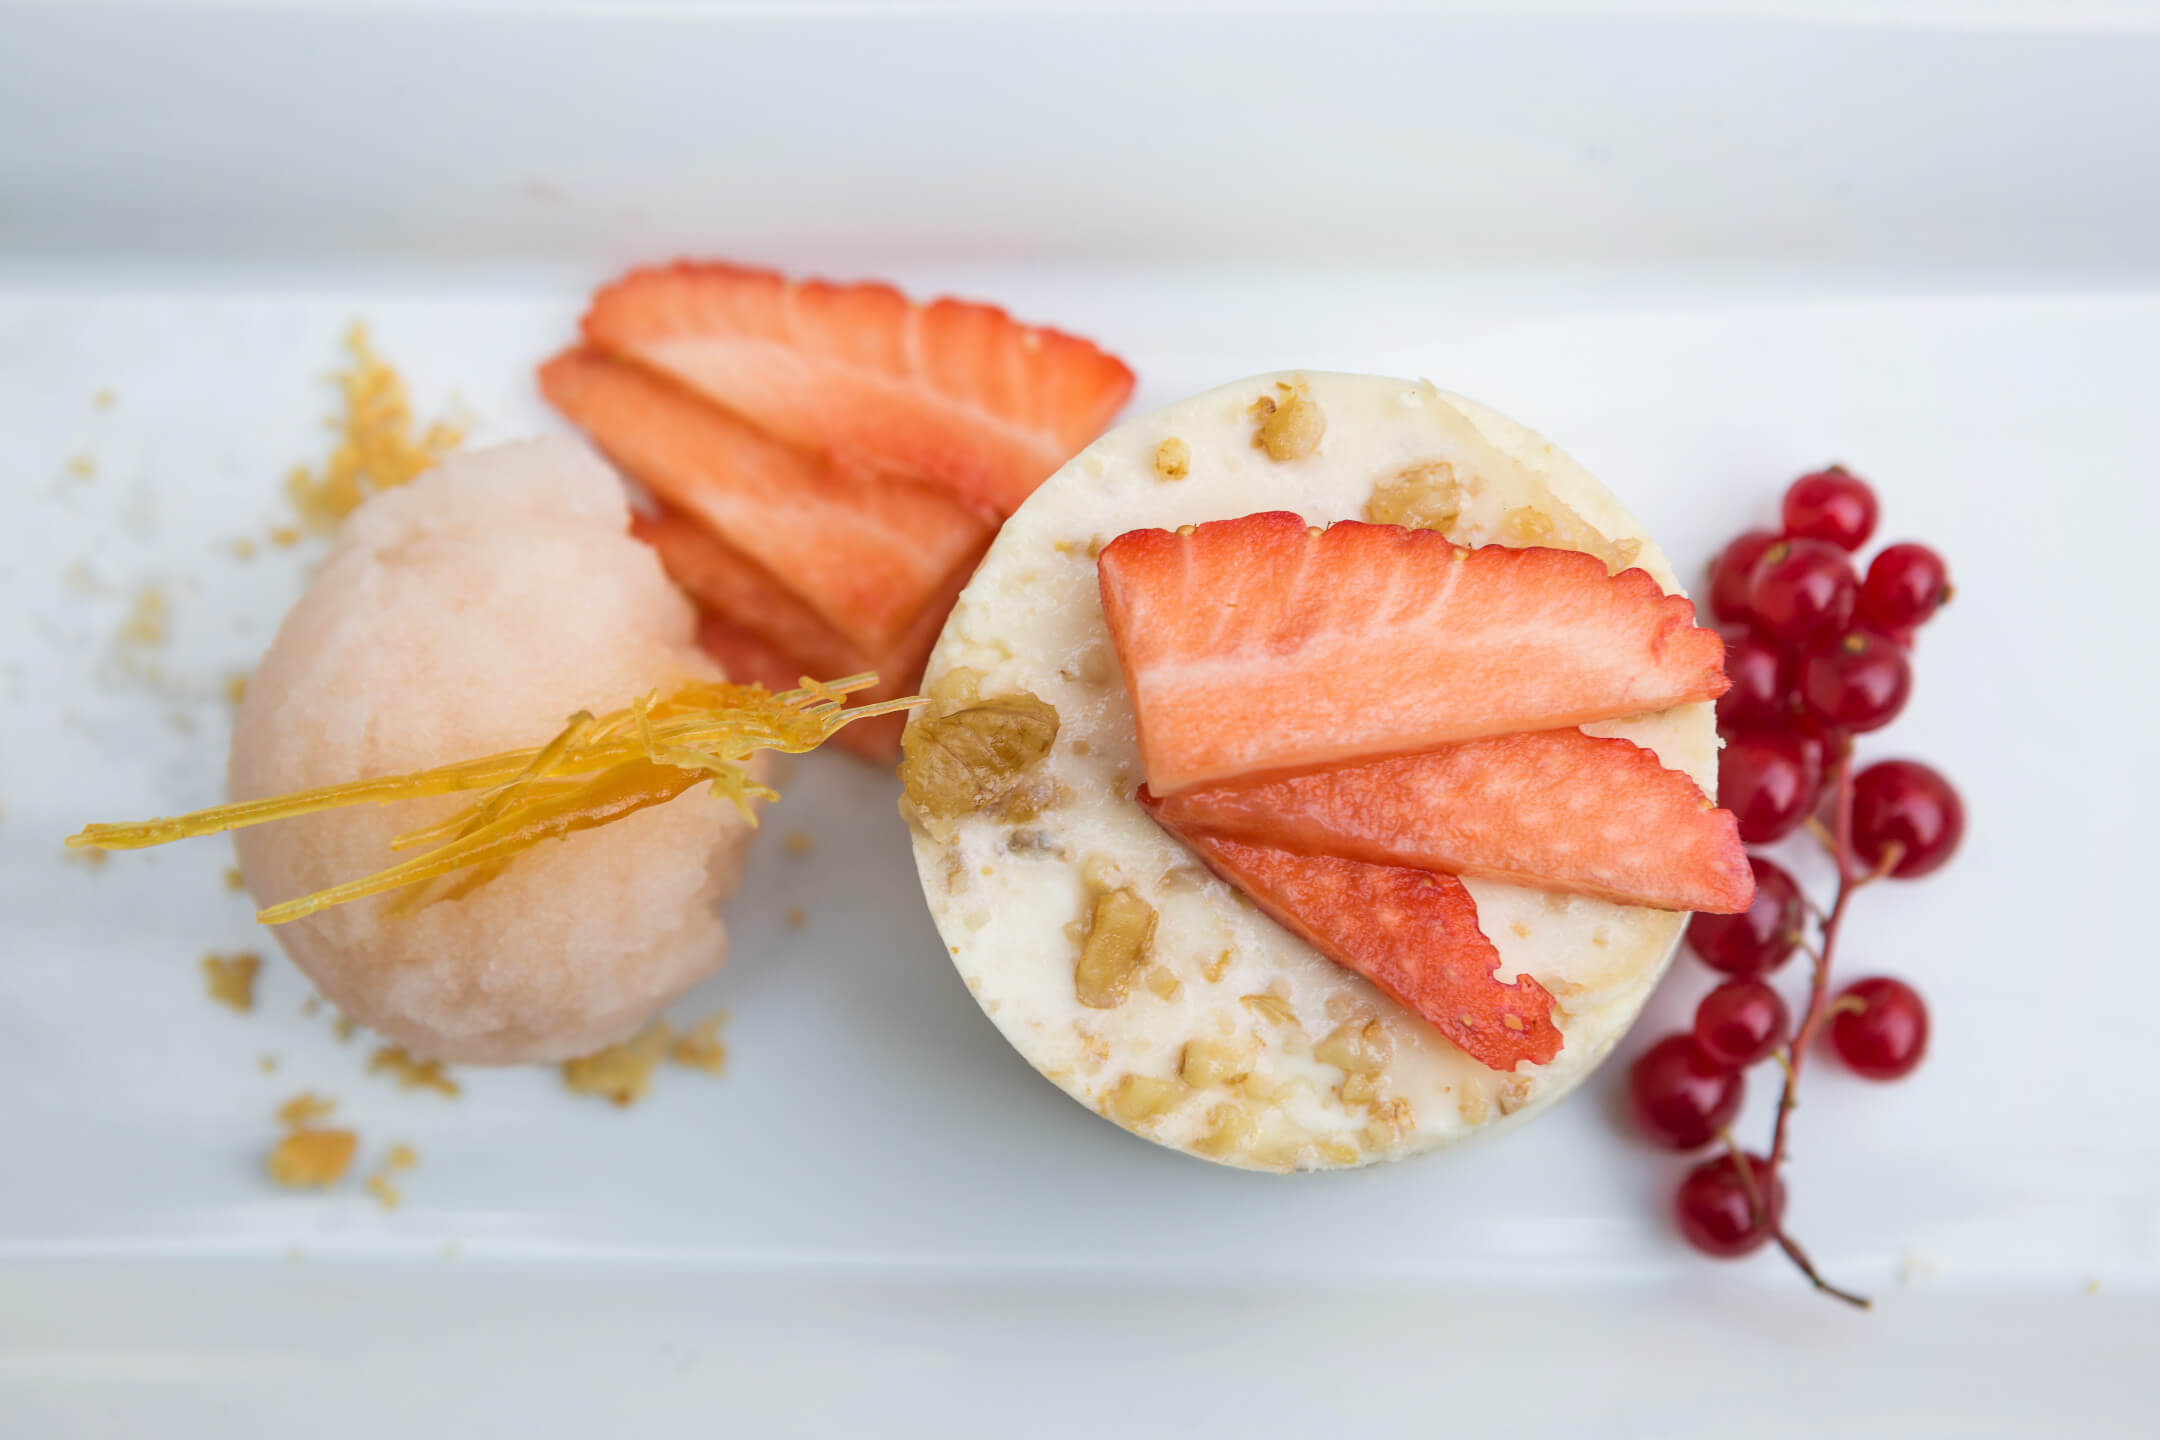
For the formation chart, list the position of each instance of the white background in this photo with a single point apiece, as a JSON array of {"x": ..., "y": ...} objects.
[{"x": 1701, "y": 252}]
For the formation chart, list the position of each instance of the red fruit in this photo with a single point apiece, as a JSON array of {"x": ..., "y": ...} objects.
[
  {"x": 1905, "y": 809},
  {"x": 1821, "y": 746},
  {"x": 1759, "y": 938},
  {"x": 1879, "y": 1028},
  {"x": 867, "y": 555},
  {"x": 1761, "y": 696},
  {"x": 1680, "y": 1097},
  {"x": 1833, "y": 505},
  {"x": 955, "y": 395},
  {"x": 1731, "y": 572},
  {"x": 1801, "y": 589},
  {"x": 1765, "y": 778},
  {"x": 1906, "y": 584},
  {"x": 1412, "y": 934},
  {"x": 755, "y": 626},
  {"x": 1266, "y": 645},
  {"x": 1556, "y": 809},
  {"x": 1741, "y": 1022},
  {"x": 1858, "y": 683},
  {"x": 1725, "y": 1213},
  {"x": 747, "y": 660},
  {"x": 725, "y": 581}
]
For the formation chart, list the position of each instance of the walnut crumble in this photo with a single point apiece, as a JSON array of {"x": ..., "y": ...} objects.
[
  {"x": 1291, "y": 423},
  {"x": 1173, "y": 459}
]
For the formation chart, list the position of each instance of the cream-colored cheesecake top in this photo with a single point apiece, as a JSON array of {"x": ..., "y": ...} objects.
[{"x": 1218, "y": 1032}]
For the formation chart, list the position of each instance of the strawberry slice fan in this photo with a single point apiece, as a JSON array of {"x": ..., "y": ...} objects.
[
  {"x": 1344, "y": 722},
  {"x": 829, "y": 461}
]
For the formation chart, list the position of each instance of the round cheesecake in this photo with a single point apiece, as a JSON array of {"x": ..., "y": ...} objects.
[{"x": 1239, "y": 1042}]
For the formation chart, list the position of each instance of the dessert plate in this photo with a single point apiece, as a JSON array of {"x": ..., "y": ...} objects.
[{"x": 879, "y": 1216}]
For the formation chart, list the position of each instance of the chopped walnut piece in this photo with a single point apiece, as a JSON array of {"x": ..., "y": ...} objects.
[
  {"x": 621, "y": 1073},
  {"x": 1391, "y": 1119},
  {"x": 1162, "y": 982},
  {"x": 412, "y": 1073},
  {"x": 1526, "y": 525},
  {"x": 1120, "y": 930},
  {"x": 1272, "y": 1008},
  {"x": 975, "y": 759},
  {"x": 1140, "y": 1098},
  {"x": 1215, "y": 969},
  {"x": 1555, "y": 523},
  {"x": 312, "y": 1159},
  {"x": 1421, "y": 497},
  {"x": 1357, "y": 1048},
  {"x": 1211, "y": 1062},
  {"x": 1173, "y": 459},
  {"x": 1291, "y": 424},
  {"x": 230, "y": 979},
  {"x": 1336, "y": 1152},
  {"x": 1278, "y": 1152},
  {"x": 1514, "y": 1094},
  {"x": 1230, "y": 1130}
]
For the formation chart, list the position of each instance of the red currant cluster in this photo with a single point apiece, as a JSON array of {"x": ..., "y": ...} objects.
[{"x": 1816, "y": 655}]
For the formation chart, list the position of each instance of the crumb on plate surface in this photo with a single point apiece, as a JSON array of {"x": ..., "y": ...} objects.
[
  {"x": 230, "y": 979},
  {"x": 312, "y": 1159}
]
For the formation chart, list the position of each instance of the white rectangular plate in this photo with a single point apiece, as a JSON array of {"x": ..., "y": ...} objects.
[{"x": 879, "y": 1215}]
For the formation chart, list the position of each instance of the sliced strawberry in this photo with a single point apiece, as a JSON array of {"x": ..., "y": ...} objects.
[
  {"x": 960, "y": 396},
  {"x": 722, "y": 579},
  {"x": 748, "y": 660},
  {"x": 1264, "y": 645},
  {"x": 1554, "y": 809},
  {"x": 1413, "y": 934},
  {"x": 763, "y": 635},
  {"x": 865, "y": 554}
]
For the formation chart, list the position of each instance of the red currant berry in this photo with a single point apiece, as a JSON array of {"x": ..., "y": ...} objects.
[
  {"x": 1858, "y": 682},
  {"x": 1800, "y": 589},
  {"x": 1729, "y": 573},
  {"x": 1725, "y": 1213},
  {"x": 1741, "y": 1022},
  {"x": 1682, "y": 1098},
  {"x": 1820, "y": 744},
  {"x": 1762, "y": 685},
  {"x": 1759, "y": 938},
  {"x": 1833, "y": 505},
  {"x": 1765, "y": 779},
  {"x": 1903, "y": 813},
  {"x": 1879, "y": 1028},
  {"x": 1906, "y": 584}
]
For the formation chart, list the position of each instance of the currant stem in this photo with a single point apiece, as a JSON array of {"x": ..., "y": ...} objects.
[{"x": 1837, "y": 839}]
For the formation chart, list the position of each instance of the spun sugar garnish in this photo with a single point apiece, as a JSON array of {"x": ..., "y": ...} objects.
[{"x": 595, "y": 771}]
